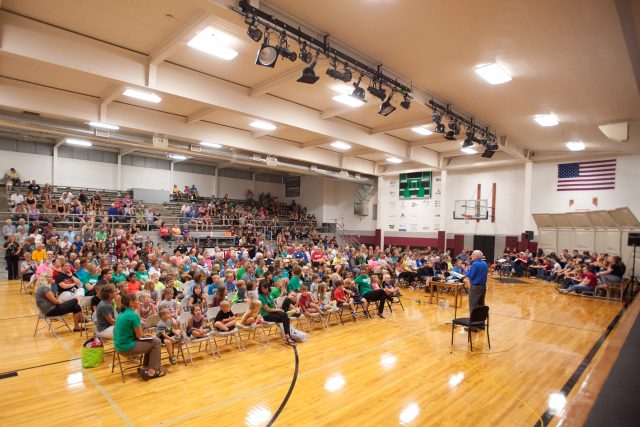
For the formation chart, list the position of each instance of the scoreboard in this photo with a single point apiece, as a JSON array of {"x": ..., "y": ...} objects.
[{"x": 415, "y": 185}]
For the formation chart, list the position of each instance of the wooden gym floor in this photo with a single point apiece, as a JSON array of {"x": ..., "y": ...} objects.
[{"x": 381, "y": 372}]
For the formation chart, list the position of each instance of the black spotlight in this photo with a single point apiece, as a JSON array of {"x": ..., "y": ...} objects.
[
  {"x": 387, "y": 108},
  {"x": 305, "y": 55},
  {"x": 285, "y": 52},
  {"x": 406, "y": 103},
  {"x": 344, "y": 76},
  {"x": 358, "y": 92},
  {"x": 377, "y": 90},
  {"x": 309, "y": 75},
  {"x": 468, "y": 141},
  {"x": 488, "y": 153},
  {"x": 439, "y": 126},
  {"x": 254, "y": 33},
  {"x": 267, "y": 54},
  {"x": 453, "y": 132},
  {"x": 490, "y": 149}
]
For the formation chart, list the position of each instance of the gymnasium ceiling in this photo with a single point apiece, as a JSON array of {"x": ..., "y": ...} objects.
[{"x": 578, "y": 59}]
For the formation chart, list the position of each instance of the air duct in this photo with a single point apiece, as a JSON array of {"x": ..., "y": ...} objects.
[{"x": 362, "y": 198}]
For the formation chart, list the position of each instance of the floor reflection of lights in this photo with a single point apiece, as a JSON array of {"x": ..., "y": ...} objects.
[
  {"x": 334, "y": 383},
  {"x": 75, "y": 380},
  {"x": 456, "y": 379},
  {"x": 388, "y": 360},
  {"x": 409, "y": 413},
  {"x": 257, "y": 416},
  {"x": 557, "y": 402}
]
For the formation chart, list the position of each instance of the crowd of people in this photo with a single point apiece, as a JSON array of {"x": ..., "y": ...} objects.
[{"x": 574, "y": 272}]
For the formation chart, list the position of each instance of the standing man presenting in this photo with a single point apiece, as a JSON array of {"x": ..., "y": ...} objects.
[{"x": 476, "y": 280}]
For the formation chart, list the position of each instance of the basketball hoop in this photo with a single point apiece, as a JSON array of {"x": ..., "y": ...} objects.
[{"x": 467, "y": 218}]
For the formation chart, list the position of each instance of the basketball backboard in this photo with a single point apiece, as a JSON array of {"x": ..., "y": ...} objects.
[{"x": 471, "y": 209}]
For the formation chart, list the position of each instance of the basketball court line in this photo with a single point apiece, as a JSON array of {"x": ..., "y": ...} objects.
[{"x": 291, "y": 387}]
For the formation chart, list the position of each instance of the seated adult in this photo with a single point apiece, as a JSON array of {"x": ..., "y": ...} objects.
[
  {"x": 272, "y": 314},
  {"x": 129, "y": 340},
  {"x": 614, "y": 272},
  {"x": 587, "y": 283},
  {"x": 28, "y": 267},
  {"x": 34, "y": 188},
  {"x": 12, "y": 178},
  {"x": 66, "y": 282},
  {"x": 50, "y": 305},
  {"x": 364, "y": 286},
  {"x": 105, "y": 314}
]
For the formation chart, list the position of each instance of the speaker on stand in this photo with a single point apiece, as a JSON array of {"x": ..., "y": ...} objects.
[{"x": 632, "y": 240}]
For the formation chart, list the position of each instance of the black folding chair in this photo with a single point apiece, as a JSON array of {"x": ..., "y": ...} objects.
[{"x": 479, "y": 319}]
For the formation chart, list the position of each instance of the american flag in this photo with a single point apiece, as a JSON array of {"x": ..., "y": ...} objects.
[{"x": 595, "y": 175}]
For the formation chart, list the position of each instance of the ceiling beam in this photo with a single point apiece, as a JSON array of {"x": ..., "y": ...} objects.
[
  {"x": 261, "y": 133},
  {"x": 47, "y": 44},
  {"x": 107, "y": 99},
  {"x": 431, "y": 139},
  {"x": 124, "y": 152},
  {"x": 360, "y": 152},
  {"x": 201, "y": 114},
  {"x": 418, "y": 121},
  {"x": 275, "y": 81},
  {"x": 340, "y": 109},
  {"x": 168, "y": 46},
  {"x": 317, "y": 142}
]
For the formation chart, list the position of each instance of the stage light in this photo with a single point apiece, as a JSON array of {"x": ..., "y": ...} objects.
[
  {"x": 453, "y": 132},
  {"x": 254, "y": 33},
  {"x": 305, "y": 55},
  {"x": 437, "y": 118},
  {"x": 309, "y": 75},
  {"x": 387, "y": 108},
  {"x": 468, "y": 141},
  {"x": 358, "y": 92},
  {"x": 285, "y": 52},
  {"x": 490, "y": 149},
  {"x": 406, "y": 103},
  {"x": 376, "y": 89},
  {"x": 344, "y": 76},
  {"x": 267, "y": 54}
]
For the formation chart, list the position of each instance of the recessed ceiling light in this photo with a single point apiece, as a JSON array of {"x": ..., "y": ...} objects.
[
  {"x": 259, "y": 124},
  {"x": 394, "y": 160},
  {"x": 78, "y": 142},
  {"x": 468, "y": 150},
  {"x": 348, "y": 100},
  {"x": 546, "y": 120},
  {"x": 101, "y": 125},
  {"x": 144, "y": 96},
  {"x": 493, "y": 73},
  {"x": 421, "y": 130},
  {"x": 576, "y": 145},
  {"x": 177, "y": 157},
  {"x": 214, "y": 43},
  {"x": 210, "y": 144},
  {"x": 340, "y": 145}
]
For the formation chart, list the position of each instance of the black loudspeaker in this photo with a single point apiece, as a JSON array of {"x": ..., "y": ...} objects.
[
  {"x": 634, "y": 239},
  {"x": 529, "y": 234}
]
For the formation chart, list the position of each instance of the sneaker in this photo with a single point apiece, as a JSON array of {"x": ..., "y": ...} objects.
[
  {"x": 172, "y": 360},
  {"x": 380, "y": 315},
  {"x": 354, "y": 314}
]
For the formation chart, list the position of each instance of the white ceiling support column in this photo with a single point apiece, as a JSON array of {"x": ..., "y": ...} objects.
[
  {"x": 121, "y": 154},
  {"x": 528, "y": 192},
  {"x": 201, "y": 114},
  {"x": 171, "y": 177},
  {"x": 381, "y": 220},
  {"x": 215, "y": 183},
  {"x": 275, "y": 81},
  {"x": 443, "y": 201},
  {"x": 511, "y": 149},
  {"x": 399, "y": 126},
  {"x": 54, "y": 161},
  {"x": 107, "y": 99},
  {"x": 168, "y": 46},
  {"x": 42, "y": 42}
]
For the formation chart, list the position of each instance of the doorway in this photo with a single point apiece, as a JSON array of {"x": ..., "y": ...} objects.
[{"x": 487, "y": 245}]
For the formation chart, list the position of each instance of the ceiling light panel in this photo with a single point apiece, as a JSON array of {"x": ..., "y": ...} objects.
[
  {"x": 214, "y": 42},
  {"x": 421, "y": 130},
  {"x": 546, "y": 120},
  {"x": 210, "y": 144},
  {"x": 493, "y": 73},
  {"x": 394, "y": 160},
  {"x": 143, "y": 96},
  {"x": 101, "y": 125},
  {"x": 576, "y": 145},
  {"x": 259, "y": 124},
  {"x": 78, "y": 142},
  {"x": 348, "y": 100},
  {"x": 340, "y": 145}
]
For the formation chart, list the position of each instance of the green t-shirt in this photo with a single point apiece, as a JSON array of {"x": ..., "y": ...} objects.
[
  {"x": 142, "y": 276},
  {"x": 266, "y": 299},
  {"x": 117, "y": 278},
  {"x": 259, "y": 272},
  {"x": 294, "y": 284},
  {"x": 240, "y": 273},
  {"x": 275, "y": 293},
  {"x": 364, "y": 284},
  {"x": 124, "y": 335},
  {"x": 91, "y": 279},
  {"x": 101, "y": 236}
]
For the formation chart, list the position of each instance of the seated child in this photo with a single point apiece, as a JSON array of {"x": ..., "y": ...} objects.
[
  {"x": 133, "y": 286},
  {"x": 289, "y": 305},
  {"x": 324, "y": 301},
  {"x": 389, "y": 287},
  {"x": 306, "y": 302},
  {"x": 241, "y": 294},
  {"x": 197, "y": 299},
  {"x": 220, "y": 296},
  {"x": 168, "y": 331},
  {"x": 342, "y": 298},
  {"x": 150, "y": 288},
  {"x": 147, "y": 307},
  {"x": 169, "y": 303},
  {"x": 252, "y": 315},
  {"x": 197, "y": 327},
  {"x": 354, "y": 292},
  {"x": 225, "y": 319}
]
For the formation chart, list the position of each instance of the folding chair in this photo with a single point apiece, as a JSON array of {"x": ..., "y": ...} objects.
[
  {"x": 85, "y": 304},
  {"x": 396, "y": 300},
  {"x": 234, "y": 333},
  {"x": 118, "y": 361},
  {"x": 48, "y": 321},
  {"x": 184, "y": 323},
  {"x": 479, "y": 319},
  {"x": 298, "y": 319},
  {"x": 254, "y": 331}
]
